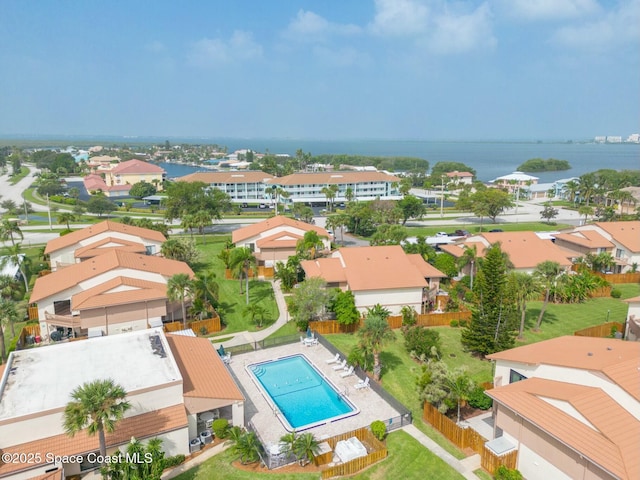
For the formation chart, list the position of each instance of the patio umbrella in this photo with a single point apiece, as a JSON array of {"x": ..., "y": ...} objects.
[
  {"x": 309, "y": 334},
  {"x": 221, "y": 351}
]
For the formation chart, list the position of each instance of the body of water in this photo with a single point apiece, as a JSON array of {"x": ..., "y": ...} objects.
[{"x": 489, "y": 159}]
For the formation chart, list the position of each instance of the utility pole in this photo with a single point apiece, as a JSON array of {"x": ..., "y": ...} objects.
[
  {"x": 26, "y": 213},
  {"x": 49, "y": 212},
  {"x": 442, "y": 197}
]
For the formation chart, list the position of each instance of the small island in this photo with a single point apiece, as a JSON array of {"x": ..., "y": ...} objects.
[{"x": 541, "y": 165}]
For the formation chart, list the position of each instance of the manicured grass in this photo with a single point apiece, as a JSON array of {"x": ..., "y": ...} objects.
[
  {"x": 287, "y": 329},
  {"x": 232, "y": 302},
  {"x": 454, "y": 355},
  {"x": 24, "y": 171},
  {"x": 399, "y": 374},
  {"x": 407, "y": 459},
  {"x": 475, "y": 228}
]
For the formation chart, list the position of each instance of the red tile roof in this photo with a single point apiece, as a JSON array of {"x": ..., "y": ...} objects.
[
  {"x": 106, "y": 226},
  {"x": 101, "y": 296},
  {"x": 136, "y": 167},
  {"x": 226, "y": 177},
  {"x": 329, "y": 269},
  {"x": 617, "y": 359},
  {"x": 141, "y": 426},
  {"x": 279, "y": 240},
  {"x": 426, "y": 269},
  {"x": 333, "y": 178},
  {"x": 585, "y": 238},
  {"x": 274, "y": 222},
  {"x": 610, "y": 440},
  {"x": 66, "y": 278},
  {"x": 625, "y": 233},
  {"x": 97, "y": 248},
  {"x": 204, "y": 375}
]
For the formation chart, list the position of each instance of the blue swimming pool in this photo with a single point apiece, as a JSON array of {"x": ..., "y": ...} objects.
[{"x": 300, "y": 394}]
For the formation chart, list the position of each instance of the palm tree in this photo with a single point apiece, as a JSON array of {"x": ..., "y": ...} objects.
[
  {"x": 96, "y": 406},
  {"x": 288, "y": 443},
  {"x": 469, "y": 257},
  {"x": 348, "y": 194},
  {"x": 330, "y": 191},
  {"x": 16, "y": 257},
  {"x": 547, "y": 271},
  {"x": 201, "y": 220},
  {"x": 240, "y": 262},
  {"x": 206, "y": 288},
  {"x": 308, "y": 246},
  {"x": 306, "y": 447},
  {"x": 9, "y": 313},
  {"x": 179, "y": 288},
  {"x": 255, "y": 311},
  {"x": 66, "y": 218},
  {"x": 375, "y": 333},
  {"x": 585, "y": 210},
  {"x": 8, "y": 229},
  {"x": 572, "y": 188},
  {"x": 188, "y": 223},
  {"x": 460, "y": 386},
  {"x": 526, "y": 287}
]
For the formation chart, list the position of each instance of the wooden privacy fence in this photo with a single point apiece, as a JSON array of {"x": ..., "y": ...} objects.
[
  {"x": 490, "y": 461},
  {"x": 33, "y": 312},
  {"x": 599, "y": 331},
  {"x": 325, "y": 327},
  {"x": 377, "y": 451},
  {"x": 228, "y": 274},
  {"x": 461, "y": 437},
  {"x": 468, "y": 438},
  {"x": 266, "y": 272},
  {"x": 210, "y": 324},
  {"x": 621, "y": 277}
]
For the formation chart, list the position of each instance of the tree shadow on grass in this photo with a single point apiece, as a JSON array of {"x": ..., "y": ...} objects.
[
  {"x": 389, "y": 361},
  {"x": 259, "y": 291},
  {"x": 532, "y": 318}
]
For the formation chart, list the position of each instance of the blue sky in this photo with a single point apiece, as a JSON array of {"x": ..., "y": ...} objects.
[{"x": 339, "y": 69}]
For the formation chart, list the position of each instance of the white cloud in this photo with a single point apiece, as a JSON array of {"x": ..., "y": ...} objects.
[
  {"x": 309, "y": 26},
  {"x": 400, "y": 17},
  {"x": 457, "y": 33},
  {"x": 209, "y": 52},
  {"x": 342, "y": 57},
  {"x": 616, "y": 28},
  {"x": 549, "y": 9}
]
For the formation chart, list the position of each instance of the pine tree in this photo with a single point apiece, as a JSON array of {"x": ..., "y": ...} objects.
[{"x": 493, "y": 323}]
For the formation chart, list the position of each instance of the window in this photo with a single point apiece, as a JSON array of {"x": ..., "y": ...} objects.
[
  {"x": 515, "y": 376},
  {"x": 619, "y": 252}
]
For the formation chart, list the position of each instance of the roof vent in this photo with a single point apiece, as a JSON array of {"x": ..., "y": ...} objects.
[
  {"x": 609, "y": 348},
  {"x": 590, "y": 354}
]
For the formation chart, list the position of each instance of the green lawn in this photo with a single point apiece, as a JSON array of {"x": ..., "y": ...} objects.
[
  {"x": 24, "y": 171},
  {"x": 475, "y": 228},
  {"x": 407, "y": 459},
  {"x": 231, "y": 301}
]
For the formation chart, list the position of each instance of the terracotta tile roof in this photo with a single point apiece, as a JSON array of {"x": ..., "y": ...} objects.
[
  {"x": 135, "y": 167},
  {"x": 329, "y": 269},
  {"x": 66, "y": 278},
  {"x": 106, "y": 226},
  {"x": 617, "y": 359},
  {"x": 457, "y": 249},
  {"x": 459, "y": 174},
  {"x": 57, "y": 475},
  {"x": 98, "y": 248},
  {"x": 585, "y": 238},
  {"x": 280, "y": 221},
  {"x": 610, "y": 439},
  {"x": 279, "y": 240},
  {"x": 203, "y": 373},
  {"x": 333, "y": 178},
  {"x": 227, "y": 177},
  {"x": 94, "y": 181},
  {"x": 101, "y": 296},
  {"x": 625, "y": 233},
  {"x": 380, "y": 268},
  {"x": 426, "y": 269},
  {"x": 140, "y": 426}
]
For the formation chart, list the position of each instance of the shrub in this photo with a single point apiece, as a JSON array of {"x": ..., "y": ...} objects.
[
  {"x": 174, "y": 461},
  {"x": 13, "y": 344},
  {"x": 220, "y": 427},
  {"x": 454, "y": 323},
  {"x": 379, "y": 429},
  {"x": 504, "y": 473},
  {"x": 464, "y": 323},
  {"x": 302, "y": 325},
  {"x": 422, "y": 341},
  {"x": 615, "y": 293},
  {"x": 479, "y": 399}
]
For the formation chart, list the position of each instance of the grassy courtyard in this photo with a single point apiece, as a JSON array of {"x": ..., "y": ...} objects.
[
  {"x": 475, "y": 228},
  {"x": 232, "y": 302},
  {"x": 407, "y": 459}
]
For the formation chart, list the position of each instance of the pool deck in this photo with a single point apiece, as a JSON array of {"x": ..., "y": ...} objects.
[{"x": 259, "y": 413}]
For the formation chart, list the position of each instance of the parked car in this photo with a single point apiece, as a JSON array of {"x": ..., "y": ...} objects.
[
  {"x": 494, "y": 230},
  {"x": 462, "y": 233},
  {"x": 442, "y": 234}
]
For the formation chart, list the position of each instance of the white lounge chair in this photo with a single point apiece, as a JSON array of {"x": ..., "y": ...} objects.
[
  {"x": 362, "y": 384},
  {"x": 347, "y": 373},
  {"x": 341, "y": 365},
  {"x": 334, "y": 359}
]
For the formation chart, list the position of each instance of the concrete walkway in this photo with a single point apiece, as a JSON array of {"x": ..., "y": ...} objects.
[{"x": 464, "y": 467}]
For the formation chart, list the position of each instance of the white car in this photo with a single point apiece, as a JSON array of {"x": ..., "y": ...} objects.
[{"x": 442, "y": 234}]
